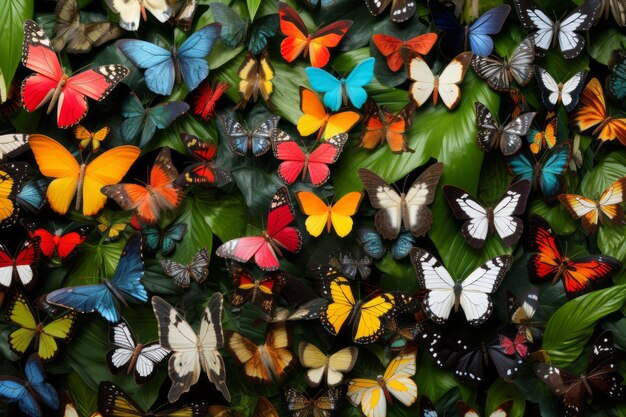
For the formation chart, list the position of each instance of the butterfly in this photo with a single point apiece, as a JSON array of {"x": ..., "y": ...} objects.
[
  {"x": 51, "y": 84},
  {"x": 32, "y": 196},
  {"x": 164, "y": 67},
  {"x": 82, "y": 180},
  {"x": 203, "y": 171},
  {"x": 263, "y": 408},
  {"x": 580, "y": 275},
  {"x": 350, "y": 266},
  {"x": 381, "y": 126},
  {"x": 457, "y": 38},
  {"x": 29, "y": 393},
  {"x": 76, "y": 37},
  {"x": 364, "y": 317},
  {"x": 183, "y": 12},
  {"x": 374, "y": 395},
  {"x": 12, "y": 179},
  {"x": 105, "y": 298},
  {"x": 13, "y": 144},
  {"x": 522, "y": 312},
  {"x": 500, "y": 73},
  {"x": 548, "y": 32},
  {"x": 553, "y": 93},
  {"x": 205, "y": 102},
  {"x": 546, "y": 173},
  {"x": 87, "y": 138},
  {"x": 129, "y": 356},
  {"x": 322, "y": 405},
  {"x": 601, "y": 379},
  {"x": 315, "y": 118},
  {"x": 328, "y": 367},
  {"x": 258, "y": 140},
  {"x": 21, "y": 267},
  {"x": 593, "y": 112},
  {"x": 338, "y": 215},
  {"x": 617, "y": 8},
  {"x": 398, "y": 51},
  {"x": 113, "y": 402},
  {"x": 261, "y": 291},
  {"x": 540, "y": 139},
  {"x": 131, "y": 11},
  {"x": 160, "y": 195},
  {"x": 43, "y": 334},
  {"x": 192, "y": 353},
  {"x": 401, "y": 10},
  {"x": 236, "y": 31},
  {"x": 503, "y": 410},
  {"x": 109, "y": 229},
  {"x": 338, "y": 92},
  {"x": 480, "y": 222},
  {"x": 181, "y": 274},
  {"x": 144, "y": 122},
  {"x": 516, "y": 345},
  {"x": 267, "y": 247},
  {"x": 166, "y": 238},
  {"x": 517, "y": 102},
  {"x": 507, "y": 137},
  {"x": 472, "y": 294},
  {"x": 299, "y": 41},
  {"x": 256, "y": 79},
  {"x": 445, "y": 85},
  {"x": 427, "y": 409},
  {"x": 616, "y": 81},
  {"x": 402, "y": 335},
  {"x": 408, "y": 208},
  {"x": 57, "y": 242}
]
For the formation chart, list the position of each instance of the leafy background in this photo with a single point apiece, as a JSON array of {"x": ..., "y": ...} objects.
[{"x": 217, "y": 215}]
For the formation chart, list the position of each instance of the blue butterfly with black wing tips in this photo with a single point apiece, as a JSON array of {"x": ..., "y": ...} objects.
[
  {"x": 337, "y": 92},
  {"x": 166, "y": 67},
  {"x": 547, "y": 173},
  {"x": 30, "y": 392},
  {"x": 375, "y": 246},
  {"x": 32, "y": 197},
  {"x": 105, "y": 298}
]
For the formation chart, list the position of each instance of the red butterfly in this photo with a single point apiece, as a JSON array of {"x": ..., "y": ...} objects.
[
  {"x": 65, "y": 244},
  {"x": 315, "y": 162},
  {"x": 52, "y": 84},
  {"x": 204, "y": 171},
  {"x": 579, "y": 275},
  {"x": 518, "y": 345},
  {"x": 261, "y": 291},
  {"x": 204, "y": 104},
  {"x": 398, "y": 51},
  {"x": 267, "y": 248},
  {"x": 20, "y": 266}
]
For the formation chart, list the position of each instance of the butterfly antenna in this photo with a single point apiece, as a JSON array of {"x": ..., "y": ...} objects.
[{"x": 80, "y": 69}]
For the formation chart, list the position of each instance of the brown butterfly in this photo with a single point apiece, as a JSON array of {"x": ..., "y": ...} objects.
[{"x": 256, "y": 79}]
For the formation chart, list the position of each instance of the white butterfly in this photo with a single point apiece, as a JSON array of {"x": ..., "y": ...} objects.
[
  {"x": 472, "y": 294},
  {"x": 12, "y": 144},
  {"x": 481, "y": 221},
  {"x": 331, "y": 366},
  {"x": 192, "y": 353},
  {"x": 553, "y": 93},
  {"x": 128, "y": 356},
  {"x": 548, "y": 32},
  {"x": 445, "y": 85},
  {"x": 408, "y": 208},
  {"x": 131, "y": 11}
]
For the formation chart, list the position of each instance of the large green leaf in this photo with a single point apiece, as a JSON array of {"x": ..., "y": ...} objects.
[
  {"x": 501, "y": 391},
  {"x": 199, "y": 234},
  {"x": 434, "y": 382},
  {"x": 12, "y": 16}
]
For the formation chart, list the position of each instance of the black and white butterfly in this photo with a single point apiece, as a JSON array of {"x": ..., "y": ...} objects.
[
  {"x": 553, "y": 93},
  {"x": 181, "y": 274},
  {"x": 549, "y": 32},
  {"x": 507, "y": 137},
  {"x": 482, "y": 222},
  {"x": 615, "y": 7},
  {"x": 13, "y": 144},
  {"x": 472, "y": 294},
  {"x": 601, "y": 379},
  {"x": 500, "y": 73},
  {"x": 521, "y": 311},
  {"x": 131, "y": 357}
]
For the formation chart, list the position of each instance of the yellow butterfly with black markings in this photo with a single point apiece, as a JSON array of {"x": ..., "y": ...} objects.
[
  {"x": 20, "y": 313},
  {"x": 110, "y": 229},
  {"x": 86, "y": 137},
  {"x": 256, "y": 79},
  {"x": 12, "y": 177}
]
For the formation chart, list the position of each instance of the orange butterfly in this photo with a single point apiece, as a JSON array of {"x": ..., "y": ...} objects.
[
  {"x": 592, "y": 111},
  {"x": 298, "y": 39},
  {"x": 159, "y": 195},
  {"x": 382, "y": 125},
  {"x": 543, "y": 139},
  {"x": 86, "y": 137},
  {"x": 317, "y": 119},
  {"x": 399, "y": 52}
]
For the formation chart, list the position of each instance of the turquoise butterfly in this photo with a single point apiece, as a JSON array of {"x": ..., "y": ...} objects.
[{"x": 616, "y": 82}]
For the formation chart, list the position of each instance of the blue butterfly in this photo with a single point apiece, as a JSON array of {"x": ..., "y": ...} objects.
[
  {"x": 28, "y": 393},
  {"x": 375, "y": 246},
  {"x": 339, "y": 91},
  {"x": 165, "y": 67},
  {"x": 165, "y": 238},
  {"x": 105, "y": 298},
  {"x": 457, "y": 36},
  {"x": 32, "y": 197},
  {"x": 546, "y": 173},
  {"x": 616, "y": 82}
]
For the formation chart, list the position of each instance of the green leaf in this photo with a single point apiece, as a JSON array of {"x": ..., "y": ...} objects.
[
  {"x": 199, "y": 234},
  {"x": 434, "y": 382},
  {"x": 253, "y": 6},
  {"x": 556, "y": 215},
  {"x": 95, "y": 262},
  {"x": 570, "y": 327},
  {"x": 83, "y": 397},
  {"x": 224, "y": 213},
  {"x": 606, "y": 41},
  {"x": 12, "y": 16},
  {"x": 501, "y": 391}
]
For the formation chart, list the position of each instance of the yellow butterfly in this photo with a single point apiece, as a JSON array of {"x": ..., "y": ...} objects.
[
  {"x": 21, "y": 314},
  {"x": 373, "y": 395},
  {"x": 322, "y": 214},
  {"x": 86, "y": 137},
  {"x": 256, "y": 78},
  {"x": 110, "y": 229},
  {"x": 332, "y": 366},
  {"x": 81, "y": 180},
  {"x": 12, "y": 177}
]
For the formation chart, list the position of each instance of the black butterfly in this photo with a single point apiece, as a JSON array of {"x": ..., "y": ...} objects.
[
  {"x": 181, "y": 274},
  {"x": 351, "y": 266},
  {"x": 499, "y": 73},
  {"x": 507, "y": 137},
  {"x": 401, "y": 10},
  {"x": 323, "y": 405}
]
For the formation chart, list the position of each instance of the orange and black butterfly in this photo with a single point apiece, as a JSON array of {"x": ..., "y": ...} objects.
[
  {"x": 398, "y": 52},
  {"x": 86, "y": 137},
  {"x": 593, "y": 112},
  {"x": 580, "y": 275},
  {"x": 543, "y": 139},
  {"x": 203, "y": 171},
  {"x": 259, "y": 291},
  {"x": 382, "y": 125}
]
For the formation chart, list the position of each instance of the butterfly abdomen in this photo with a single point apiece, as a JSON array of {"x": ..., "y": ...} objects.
[
  {"x": 436, "y": 89},
  {"x": 555, "y": 33},
  {"x": 115, "y": 292},
  {"x": 56, "y": 94},
  {"x": 79, "y": 186},
  {"x": 458, "y": 288},
  {"x": 490, "y": 225},
  {"x": 133, "y": 359},
  {"x": 383, "y": 386}
]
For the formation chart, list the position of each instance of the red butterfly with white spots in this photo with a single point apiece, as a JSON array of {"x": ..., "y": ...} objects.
[{"x": 51, "y": 84}]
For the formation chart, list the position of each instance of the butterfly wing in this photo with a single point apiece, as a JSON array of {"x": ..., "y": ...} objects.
[
  {"x": 295, "y": 31},
  {"x": 360, "y": 76},
  {"x": 544, "y": 264},
  {"x": 512, "y": 132},
  {"x": 424, "y": 80},
  {"x": 512, "y": 204},
  {"x": 390, "y": 48},
  {"x": 550, "y": 90},
  {"x": 383, "y": 197},
  {"x": 581, "y": 207},
  {"x": 36, "y": 377},
  {"x": 417, "y": 217},
  {"x": 192, "y": 54},
  {"x": 24, "y": 265},
  {"x": 584, "y": 274},
  {"x": 20, "y": 313},
  {"x": 489, "y": 131},
  {"x": 432, "y": 276},
  {"x": 534, "y": 18},
  {"x": 450, "y": 78},
  {"x": 616, "y": 81},
  {"x": 341, "y": 305},
  {"x": 327, "y": 37},
  {"x": 554, "y": 167},
  {"x": 12, "y": 179},
  {"x": 580, "y": 19},
  {"x": 260, "y": 138},
  {"x": 369, "y": 324},
  {"x": 314, "y": 114},
  {"x": 281, "y": 215},
  {"x": 146, "y": 366},
  {"x": 160, "y": 74},
  {"x": 326, "y": 153},
  {"x": 339, "y": 363},
  {"x": 69, "y": 242},
  {"x": 342, "y": 211},
  {"x": 592, "y": 112},
  {"x": 323, "y": 82},
  {"x": 287, "y": 150},
  {"x": 465, "y": 207},
  {"x": 13, "y": 144},
  {"x": 131, "y": 12},
  {"x": 277, "y": 345},
  {"x": 489, "y": 23},
  {"x": 570, "y": 93},
  {"x": 179, "y": 273},
  {"x": 130, "y": 270},
  {"x": 124, "y": 344},
  {"x": 398, "y": 378},
  {"x": 113, "y": 402},
  {"x": 317, "y": 211}
]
